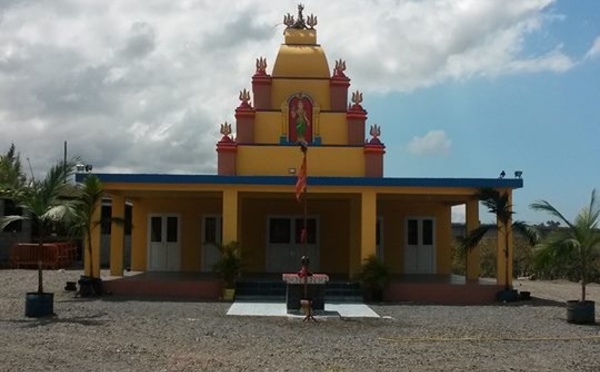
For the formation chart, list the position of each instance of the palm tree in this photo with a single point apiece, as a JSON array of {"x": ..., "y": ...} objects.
[
  {"x": 88, "y": 199},
  {"x": 498, "y": 203},
  {"x": 11, "y": 172},
  {"x": 45, "y": 202},
  {"x": 578, "y": 243}
]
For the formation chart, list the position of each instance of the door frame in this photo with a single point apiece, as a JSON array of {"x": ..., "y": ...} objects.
[
  {"x": 203, "y": 243},
  {"x": 314, "y": 260},
  {"x": 163, "y": 217},
  {"x": 420, "y": 244}
]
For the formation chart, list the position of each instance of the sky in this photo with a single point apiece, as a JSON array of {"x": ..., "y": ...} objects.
[{"x": 460, "y": 88}]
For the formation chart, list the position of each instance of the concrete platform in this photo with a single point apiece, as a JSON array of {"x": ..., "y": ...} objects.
[{"x": 242, "y": 308}]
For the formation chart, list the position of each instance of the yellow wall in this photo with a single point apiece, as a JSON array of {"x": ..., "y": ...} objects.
[
  {"x": 190, "y": 210},
  {"x": 301, "y": 61},
  {"x": 333, "y": 220},
  {"x": 394, "y": 214},
  {"x": 282, "y": 89},
  {"x": 339, "y": 229},
  {"x": 268, "y": 127},
  {"x": 322, "y": 161},
  {"x": 333, "y": 128}
]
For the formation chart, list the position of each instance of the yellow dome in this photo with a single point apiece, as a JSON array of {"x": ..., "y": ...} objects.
[{"x": 301, "y": 56}]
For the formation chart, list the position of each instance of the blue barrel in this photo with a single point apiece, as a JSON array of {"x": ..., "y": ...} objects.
[
  {"x": 581, "y": 312},
  {"x": 39, "y": 304}
]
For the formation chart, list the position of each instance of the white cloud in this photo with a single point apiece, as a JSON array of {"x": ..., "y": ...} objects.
[
  {"x": 89, "y": 72},
  {"x": 594, "y": 50},
  {"x": 434, "y": 142}
]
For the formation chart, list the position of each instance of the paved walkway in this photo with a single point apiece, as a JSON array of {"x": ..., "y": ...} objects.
[{"x": 242, "y": 308}]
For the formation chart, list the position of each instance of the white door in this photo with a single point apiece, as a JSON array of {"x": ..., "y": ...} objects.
[
  {"x": 285, "y": 249},
  {"x": 212, "y": 233},
  {"x": 419, "y": 248},
  {"x": 164, "y": 251}
]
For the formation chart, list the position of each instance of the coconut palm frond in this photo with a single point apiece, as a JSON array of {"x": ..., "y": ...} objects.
[
  {"x": 496, "y": 202},
  {"x": 44, "y": 200},
  {"x": 473, "y": 237},
  {"x": 544, "y": 206},
  {"x": 531, "y": 233},
  {"x": 578, "y": 243},
  {"x": 59, "y": 213},
  {"x": 5, "y": 221}
]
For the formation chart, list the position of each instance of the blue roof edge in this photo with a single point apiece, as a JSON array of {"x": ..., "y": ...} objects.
[{"x": 513, "y": 183}]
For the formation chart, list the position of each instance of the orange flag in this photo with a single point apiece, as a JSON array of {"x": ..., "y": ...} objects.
[{"x": 301, "y": 183}]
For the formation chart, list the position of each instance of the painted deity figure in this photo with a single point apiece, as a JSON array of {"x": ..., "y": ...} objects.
[{"x": 302, "y": 122}]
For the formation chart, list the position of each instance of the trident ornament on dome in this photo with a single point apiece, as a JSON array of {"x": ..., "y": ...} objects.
[
  {"x": 375, "y": 131},
  {"x": 226, "y": 129},
  {"x": 299, "y": 21},
  {"x": 288, "y": 20},
  {"x": 357, "y": 98},
  {"x": 226, "y": 132},
  {"x": 311, "y": 21},
  {"x": 261, "y": 66},
  {"x": 340, "y": 67},
  {"x": 245, "y": 98}
]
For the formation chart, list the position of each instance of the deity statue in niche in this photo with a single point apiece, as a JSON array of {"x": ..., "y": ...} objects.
[{"x": 300, "y": 126}]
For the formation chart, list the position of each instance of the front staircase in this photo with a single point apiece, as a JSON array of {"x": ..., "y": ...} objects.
[{"x": 274, "y": 290}]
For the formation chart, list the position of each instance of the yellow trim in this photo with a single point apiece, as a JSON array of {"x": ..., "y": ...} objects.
[
  {"x": 230, "y": 216},
  {"x": 472, "y": 223},
  {"x": 117, "y": 236},
  {"x": 315, "y": 120},
  {"x": 285, "y": 114},
  {"x": 368, "y": 224}
]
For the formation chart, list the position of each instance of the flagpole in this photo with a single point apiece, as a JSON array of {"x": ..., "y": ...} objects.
[{"x": 304, "y": 151}]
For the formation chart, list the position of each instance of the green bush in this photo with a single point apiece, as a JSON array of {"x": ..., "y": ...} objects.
[{"x": 523, "y": 265}]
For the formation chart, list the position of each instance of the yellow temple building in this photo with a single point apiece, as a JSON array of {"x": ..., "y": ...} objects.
[{"x": 352, "y": 210}]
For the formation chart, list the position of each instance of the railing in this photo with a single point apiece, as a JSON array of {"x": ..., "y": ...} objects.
[{"x": 52, "y": 255}]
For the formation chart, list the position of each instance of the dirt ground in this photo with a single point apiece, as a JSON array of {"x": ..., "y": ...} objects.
[{"x": 113, "y": 333}]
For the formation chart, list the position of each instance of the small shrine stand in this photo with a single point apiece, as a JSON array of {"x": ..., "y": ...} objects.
[{"x": 295, "y": 290}]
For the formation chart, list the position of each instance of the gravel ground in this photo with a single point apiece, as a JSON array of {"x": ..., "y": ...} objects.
[{"x": 112, "y": 333}]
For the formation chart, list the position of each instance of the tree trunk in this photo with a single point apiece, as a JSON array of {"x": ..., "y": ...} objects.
[
  {"x": 89, "y": 249},
  {"x": 40, "y": 263},
  {"x": 506, "y": 236},
  {"x": 584, "y": 276}
]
